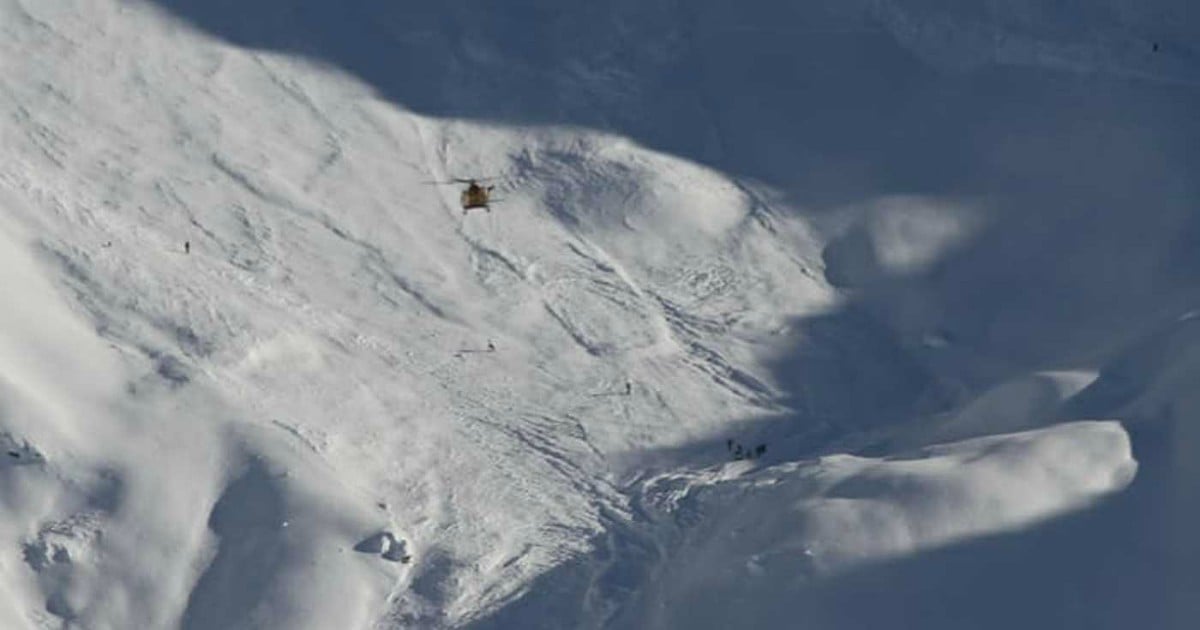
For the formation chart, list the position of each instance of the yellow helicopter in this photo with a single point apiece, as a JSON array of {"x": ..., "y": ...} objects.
[{"x": 475, "y": 195}]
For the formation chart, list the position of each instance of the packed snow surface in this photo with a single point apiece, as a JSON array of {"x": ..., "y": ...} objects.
[{"x": 828, "y": 314}]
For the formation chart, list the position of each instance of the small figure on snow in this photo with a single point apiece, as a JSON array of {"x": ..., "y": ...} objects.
[{"x": 187, "y": 247}]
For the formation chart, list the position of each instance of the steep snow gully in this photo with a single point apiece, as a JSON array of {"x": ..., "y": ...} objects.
[{"x": 828, "y": 314}]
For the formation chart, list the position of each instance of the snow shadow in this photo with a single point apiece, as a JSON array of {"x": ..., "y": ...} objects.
[
  {"x": 1083, "y": 259},
  {"x": 829, "y": 101},
  {"x": 249, "y": 556},
  {"x": 1074, "y": 235}
]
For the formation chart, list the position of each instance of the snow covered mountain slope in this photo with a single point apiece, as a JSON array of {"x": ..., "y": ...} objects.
[{"x": 257, "y": 370}]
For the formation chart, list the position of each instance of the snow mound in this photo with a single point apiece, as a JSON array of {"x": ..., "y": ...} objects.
[{"x": 747, "y": 544}]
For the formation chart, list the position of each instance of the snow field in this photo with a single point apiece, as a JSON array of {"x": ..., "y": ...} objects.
[{"x": 299, "y": 421}]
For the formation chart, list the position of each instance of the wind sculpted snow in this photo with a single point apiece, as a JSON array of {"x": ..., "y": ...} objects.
[{"x": 932, "y": 266}]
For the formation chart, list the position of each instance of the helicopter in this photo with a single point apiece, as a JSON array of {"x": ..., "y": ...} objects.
[{"x": 475, "y": 195}]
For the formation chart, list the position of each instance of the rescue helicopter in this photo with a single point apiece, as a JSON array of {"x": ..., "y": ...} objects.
[{"x": 475, "y": 195}]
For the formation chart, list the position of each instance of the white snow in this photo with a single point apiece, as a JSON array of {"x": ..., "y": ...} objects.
[
  {"x": 937, "y": 259},
  {"x": 751, "y": 540}
]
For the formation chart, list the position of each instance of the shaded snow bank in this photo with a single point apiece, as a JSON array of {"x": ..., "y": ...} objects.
[{"x": 748, "y": 543}]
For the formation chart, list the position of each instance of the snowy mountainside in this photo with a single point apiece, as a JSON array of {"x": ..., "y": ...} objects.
[
  {"x": 333, "y": 298},
  {"x": 948, "y": 318}
]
